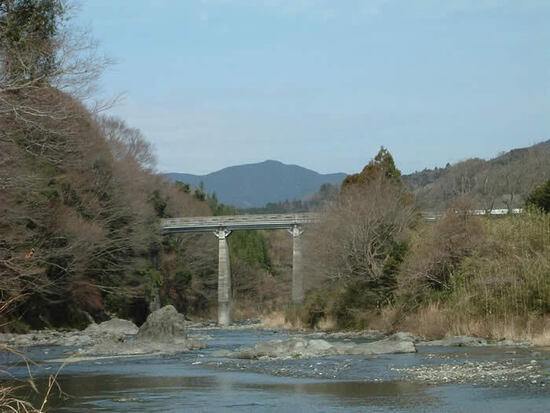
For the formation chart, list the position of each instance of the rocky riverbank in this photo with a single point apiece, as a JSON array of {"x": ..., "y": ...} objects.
[
  {"x": 164, "y": 332},
  {"x": 479, "y": 373},
  {"x": 114, "y": 330}
]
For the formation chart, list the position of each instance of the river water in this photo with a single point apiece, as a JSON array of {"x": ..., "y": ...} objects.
[{"x": 196, "y": 381}]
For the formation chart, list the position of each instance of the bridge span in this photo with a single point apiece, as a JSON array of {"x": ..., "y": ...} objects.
[{"x": 223, "y": 225}]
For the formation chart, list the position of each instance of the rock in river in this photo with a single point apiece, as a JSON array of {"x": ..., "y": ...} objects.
[
  {"x": 457, "y": 341},
  {"x": 164, "y": 325},
  {"x": 113, "y": 326},
  {"x": 299, "y": 347},
  {"x": 164, "y": 332}
]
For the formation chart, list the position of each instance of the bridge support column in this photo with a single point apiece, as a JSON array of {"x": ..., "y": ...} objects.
[
  {"x": 297, "y": 274},
  {"x": 224, "y": 278},
  {"x": 154, "y": 305}
]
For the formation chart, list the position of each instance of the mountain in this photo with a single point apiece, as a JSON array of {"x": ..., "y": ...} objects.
[
  {"x": 501, "y": 182},
  {"x": 254, "y": 185}
]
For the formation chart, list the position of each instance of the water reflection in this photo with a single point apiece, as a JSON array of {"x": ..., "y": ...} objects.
[{"x": 226, "y": 391}]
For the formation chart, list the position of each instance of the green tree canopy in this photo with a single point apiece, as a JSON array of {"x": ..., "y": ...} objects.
[
  {"x": 540, "y": 197},
  {"x": 28, "y": 30},
  {"x": 381, "y": 165}
]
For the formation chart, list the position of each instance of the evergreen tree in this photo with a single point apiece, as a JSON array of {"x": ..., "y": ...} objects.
[
  {"x": 381, "y": 165},
  {"x": 540, "y": 197}
]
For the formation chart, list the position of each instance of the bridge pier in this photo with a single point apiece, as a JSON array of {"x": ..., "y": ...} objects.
[
  {"x": 297, "y": 273},
  {"x": 222, "y": 227},
  {"x": 224, "y": 278}
]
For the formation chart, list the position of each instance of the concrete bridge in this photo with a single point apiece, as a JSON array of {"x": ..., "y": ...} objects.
[{"x": 222, "y": 226}]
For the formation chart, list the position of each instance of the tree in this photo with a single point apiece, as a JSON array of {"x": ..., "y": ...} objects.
[
  {"x": 39, "y": 48},
  {"x": 540, "y": 197},
  {"x": 360, "y": 241},
  {"x": 127, "y": 144},
  {"x": 381, "y": 165},
  {"x": 29, "y": 31}
]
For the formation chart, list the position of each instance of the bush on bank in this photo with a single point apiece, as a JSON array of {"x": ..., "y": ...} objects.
[{"x": 461, "y": 275}]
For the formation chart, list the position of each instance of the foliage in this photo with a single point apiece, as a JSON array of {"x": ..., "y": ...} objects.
[
  {"x": 250, "y": 247},
  {"x": 540, "y": 197},
  {"x": 28, "y": 31},
  {"x": 382, "y": 165},
  {"x": 357, "y": 250},
  {"x": 80, "y": 202},
  {"x": 438, "y": 249},
  {"x": 508, "y": 274}
]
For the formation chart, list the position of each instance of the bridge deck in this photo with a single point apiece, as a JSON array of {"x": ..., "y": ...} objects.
[
  {"x": 236, "y": 222},
  {"x": 270, "y": 221}
]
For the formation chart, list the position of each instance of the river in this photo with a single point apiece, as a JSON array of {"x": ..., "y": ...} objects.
[{"x": 196, "y": 381}]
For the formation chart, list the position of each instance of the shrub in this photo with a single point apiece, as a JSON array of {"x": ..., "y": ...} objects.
[
  {"x": 509, "y": 273},
  {"x": 540, "y": 197},
  {"x": 438, "y": 250}
]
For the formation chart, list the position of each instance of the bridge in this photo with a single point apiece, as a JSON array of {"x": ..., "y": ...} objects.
[{"x": 222, "y": 226}]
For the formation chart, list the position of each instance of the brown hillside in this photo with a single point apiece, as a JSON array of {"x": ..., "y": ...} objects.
[{"x": 501, "y": 182}]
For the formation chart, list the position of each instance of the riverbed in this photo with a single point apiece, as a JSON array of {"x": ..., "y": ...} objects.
[{"x": 435, "y": 379}]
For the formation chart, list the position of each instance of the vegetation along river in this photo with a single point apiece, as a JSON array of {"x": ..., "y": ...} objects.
[{"x": 435, "y": 378}]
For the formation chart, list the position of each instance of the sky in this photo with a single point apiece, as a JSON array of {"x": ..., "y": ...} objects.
[{"x": 325, "y": 83}]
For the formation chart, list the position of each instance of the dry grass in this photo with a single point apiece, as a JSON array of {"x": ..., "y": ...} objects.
[
  {"x": 429, "y": 322},
  {"x": 327, "y": 324},
  {"x": 276, "y": 319},
  {"x": 435, "y": 321},
  {"x": 9, "y": 391},
  {"x": 542, "y": 338}
]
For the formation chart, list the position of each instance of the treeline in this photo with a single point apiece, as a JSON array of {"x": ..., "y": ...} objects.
[
  {"x": 375, "y": 263},
  {"x": 326, "y": 193},
  {"x": 502, "y": 182}
]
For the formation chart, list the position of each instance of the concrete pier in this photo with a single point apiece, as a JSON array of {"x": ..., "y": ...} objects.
[
  {"x": 297, "y": 272},
  {"x": 222, "y": 227},
  {"x": 224, "y": 278}
]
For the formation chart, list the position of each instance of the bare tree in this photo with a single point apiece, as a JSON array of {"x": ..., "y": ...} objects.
[
  {"x": 127, "y": 143},
  {"x": 357, "y": 235},
  {"x": 441, "y": 247}
]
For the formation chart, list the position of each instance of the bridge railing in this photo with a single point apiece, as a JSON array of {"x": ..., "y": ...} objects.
[{"x": 237, "y": 222}]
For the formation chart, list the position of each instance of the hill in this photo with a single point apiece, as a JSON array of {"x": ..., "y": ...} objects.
[
  {"x": 255, "y": 185},
  {"x": 501, "y": 182}
]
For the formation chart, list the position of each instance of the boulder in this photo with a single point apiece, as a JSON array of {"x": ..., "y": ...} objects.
[
  {"x": 456, "y": 341},
  {"x": 395, "y": 344},
  {"x": 164, "y": 332},
  {"x": 165, "y": 325},
  {"x": 347, "y": 335},
  {"x": 220, "y": 353},
  {"x": 113, "y": 326}
]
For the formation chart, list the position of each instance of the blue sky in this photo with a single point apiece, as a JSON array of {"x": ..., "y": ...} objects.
[{"x": 325, "y": 83}]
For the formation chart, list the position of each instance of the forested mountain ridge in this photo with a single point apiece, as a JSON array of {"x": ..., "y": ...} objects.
[
  {"x": 501, "y": 182},
  {"x": 257, "y": 184}
]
